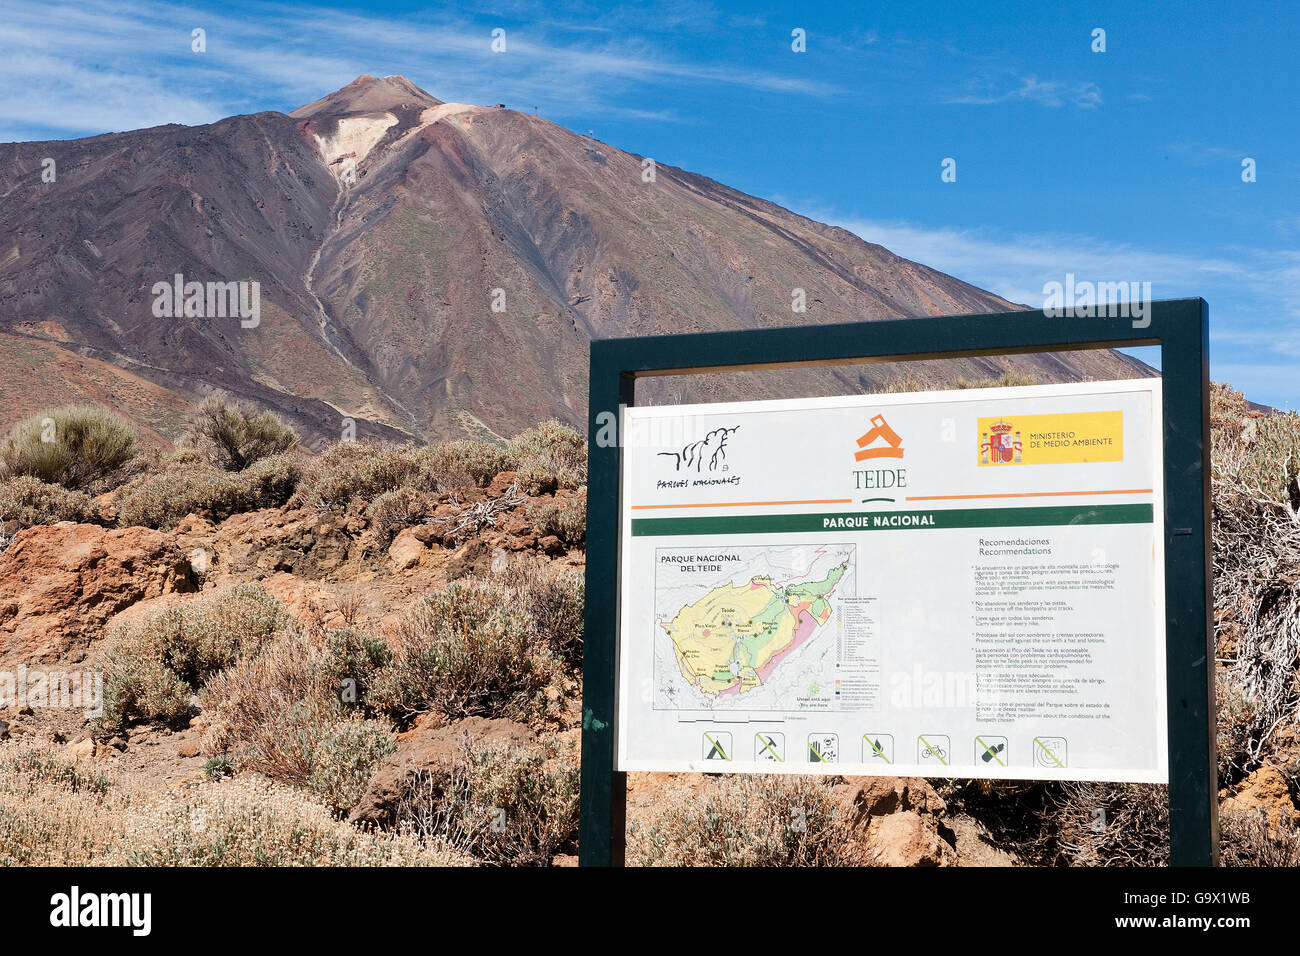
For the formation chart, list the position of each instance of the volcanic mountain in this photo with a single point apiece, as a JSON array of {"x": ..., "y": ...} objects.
[{"x": 424, "y": 269}]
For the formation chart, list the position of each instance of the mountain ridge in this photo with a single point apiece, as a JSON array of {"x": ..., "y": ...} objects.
[{"x": 425, "y": 268}]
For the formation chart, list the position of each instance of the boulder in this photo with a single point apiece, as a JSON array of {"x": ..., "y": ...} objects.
[
  {"x": 406, "y": 550},
  {"x": 60, "y": 584},
  {"x": 1264, "y": 791},
  {"x": 901, "y": 819},
  {"x": 909, "y": 838}
]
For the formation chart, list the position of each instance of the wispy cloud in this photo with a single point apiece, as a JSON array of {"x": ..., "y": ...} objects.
[
  {"x": 1052, "y": 93},
  {"x": 1254, "y": 293},
  {"x": 92, "y": 66}
]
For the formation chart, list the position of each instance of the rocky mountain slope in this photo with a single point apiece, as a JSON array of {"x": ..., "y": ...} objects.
[{"x": 425, "y": 268}]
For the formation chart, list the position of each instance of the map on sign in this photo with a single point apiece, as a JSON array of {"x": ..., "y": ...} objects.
[{"x": 748, "y": 628}]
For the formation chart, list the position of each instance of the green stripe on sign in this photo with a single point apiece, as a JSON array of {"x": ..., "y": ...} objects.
[{"x": 896, "y": 520}]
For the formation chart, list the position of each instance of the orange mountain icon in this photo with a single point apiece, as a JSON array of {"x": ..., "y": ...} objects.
[{"x": 893, "y": 447}]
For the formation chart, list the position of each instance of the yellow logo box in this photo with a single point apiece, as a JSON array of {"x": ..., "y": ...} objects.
[{"x": 1068, "y": 438}]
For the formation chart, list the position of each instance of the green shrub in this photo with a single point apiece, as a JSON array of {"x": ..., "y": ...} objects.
[
  {"x": 350, "y": 664},
  {"x": 354, "y": 470},
  {"x": 505, "y": 806},
  {"x": 464, "y": 651},
  {"x": 183, "y": 486},
  {"x": 152, "y": 668},
  {"x": 75, "y": 446},
  {"x": 344, "y": 757},
  {"x": 557, "y": 448},
  {"x": 233, "y": 437},
  {"x": 30, "y": 501},
  {"x": 566, "y": 519}
]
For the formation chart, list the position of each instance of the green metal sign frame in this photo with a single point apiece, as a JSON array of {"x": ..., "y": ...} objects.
[{"x": 1180, "y": 327}]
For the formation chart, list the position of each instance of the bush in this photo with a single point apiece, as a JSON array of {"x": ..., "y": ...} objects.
[
  {"x": 233, "y": 437},
  {"x": 1249, "y": 839},
  {"x": 242, "y": 822},
  {"x": 747, "y": 820},
  {"x": 30, "y": 501},
  {"x": 504, "y": 806},
  {"x": 557, "y": 448},
  {"x": 1107, "y": 824},
  {"x": 74, "y": 446},
  {"x": 554, "y": 602},
  {"x": 184, "y": 486},
  {"x": 152, "y": 668},
  {"x": 464, "y": 651},
  {"x": 54, "y": 814},
  {"x": 448, "y": 465},
  {"x": 1005, "y": 380},
  {"x": 351, "y": 662},
  {"x": 394, "y": 510},
  {"x": 282, "y": 712},
  {"x": 354, "y": 470},
  {"x": 566, "y": 519}
]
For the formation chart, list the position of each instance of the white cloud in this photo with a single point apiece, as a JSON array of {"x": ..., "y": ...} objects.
[
  {"x": 92, "y": 66},
  {"x": 1053, "y": 93},
  {"x": 1254, "y": 293}
]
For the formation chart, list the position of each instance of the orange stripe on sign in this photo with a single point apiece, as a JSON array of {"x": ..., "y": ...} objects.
[
  {"x": 754, "y": 504},
  {"x": 1033, "y": 494}
]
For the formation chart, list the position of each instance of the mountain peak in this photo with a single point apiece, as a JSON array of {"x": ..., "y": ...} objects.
[{"x": 369, "y": 94}]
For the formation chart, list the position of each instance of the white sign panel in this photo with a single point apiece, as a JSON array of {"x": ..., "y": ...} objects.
[{"x": 945, "y": 583}]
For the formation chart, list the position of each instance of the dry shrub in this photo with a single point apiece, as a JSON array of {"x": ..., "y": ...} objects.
[
  {"x": 566, "y": 519},
  {"x": 1256, "y": 540},
  {"x": 448, "y": 465},
  {"x": 1105, "y": 824},
  {"x": 748, "y": 820},
  {"x": 554, "y": 600},
  {"x": 505, "y": 806},
  {"x": 394, "y": 510},
  {"x": 152, "y": 667},
  {"x": 30, "y": 502},
  {"x": 53, "y": 813},
  {"x": 282, "y": 712},
  {"x": 464, "y": 651},
  {"x": 77, "y": 446},
  {"x": 1248, "y": 839},
  {"x": 552, "y": 449},
  {"x": 232, "y": 437},
  {"x": 354, "y": 470},
  {"x": 1005, "y": 380},
  {"x": 182, "y": 485}
]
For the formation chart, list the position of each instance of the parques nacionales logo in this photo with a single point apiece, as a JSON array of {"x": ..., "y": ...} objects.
[{"x": 707, "y": 454}]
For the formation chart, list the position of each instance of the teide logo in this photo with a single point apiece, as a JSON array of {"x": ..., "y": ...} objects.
[
  {"x": 208, "y": 300},
  {"x": 76, "y": 909}
]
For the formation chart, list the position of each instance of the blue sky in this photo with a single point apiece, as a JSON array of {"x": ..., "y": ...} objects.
[{"x": 1115, "y": 166}]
